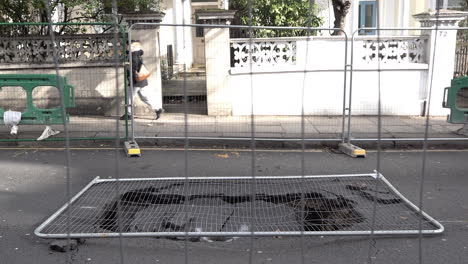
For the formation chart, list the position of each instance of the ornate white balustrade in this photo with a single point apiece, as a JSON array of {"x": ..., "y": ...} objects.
[
  {"x": 73, "y": 48},
  {"x": 403, "y": 51},
  {"x": 264, "y": 53},
  {"x": 322, "y": 52}
]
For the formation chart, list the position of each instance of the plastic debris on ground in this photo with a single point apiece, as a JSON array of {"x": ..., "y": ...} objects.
[
  {"x": 11, "y": 120},
  {"x": 48, "y": 132}
]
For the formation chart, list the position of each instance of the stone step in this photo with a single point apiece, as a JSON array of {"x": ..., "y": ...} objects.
[
  {"x": 198, "y": 70},
  {"x": 191, "y": 74},
  {"x": 196, "y": 85}
]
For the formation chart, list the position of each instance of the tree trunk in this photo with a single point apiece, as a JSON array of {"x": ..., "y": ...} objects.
[{"x": 340, "y": 9}]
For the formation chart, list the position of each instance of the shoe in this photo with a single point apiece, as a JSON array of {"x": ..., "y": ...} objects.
[
  {"x": 158, "y": 113},
  {"x": 128, "y": 117}
]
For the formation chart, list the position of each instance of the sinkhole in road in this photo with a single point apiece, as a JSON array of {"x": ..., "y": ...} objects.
[{"x": 238, "y": 206}]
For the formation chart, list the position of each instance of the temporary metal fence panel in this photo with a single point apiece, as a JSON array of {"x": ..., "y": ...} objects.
[
  {"x": 227, "y": 207},
  {"x": 86, "y": 61},
  {"x": 230, "y": 87},
  {"x": 268, "y": 80}
]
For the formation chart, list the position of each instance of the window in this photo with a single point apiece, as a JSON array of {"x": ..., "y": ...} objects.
[
  {"x": 199, "y": 31},
  {"x": 367, "y": 17}
]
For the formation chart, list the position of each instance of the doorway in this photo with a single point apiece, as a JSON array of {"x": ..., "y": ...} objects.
[
  {"x": 367, "y": 17},
  {"x": 198, "y": 42}
]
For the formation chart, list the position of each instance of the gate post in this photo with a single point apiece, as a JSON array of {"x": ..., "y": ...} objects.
[
  {"x": 218, "y": 60},
  {"x": 441, "y": 46}
]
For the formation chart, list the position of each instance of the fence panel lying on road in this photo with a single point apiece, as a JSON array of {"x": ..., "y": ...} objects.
[{"x": 226, "y": 206}]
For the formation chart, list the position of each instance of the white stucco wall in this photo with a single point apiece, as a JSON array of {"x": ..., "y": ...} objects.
[
  {"x": 279, "y": 90},
  {"x": 280, "y": 93}
]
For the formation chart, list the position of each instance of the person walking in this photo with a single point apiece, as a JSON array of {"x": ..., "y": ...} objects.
[{"x": 146, "y": 93}]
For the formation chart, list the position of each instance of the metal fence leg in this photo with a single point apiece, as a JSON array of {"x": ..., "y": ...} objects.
[
  {"x": 345, "y": 146},
  {"x": 130, "y": 146}
]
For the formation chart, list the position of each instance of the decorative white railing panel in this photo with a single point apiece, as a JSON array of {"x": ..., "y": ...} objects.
[
  {"x": 390, "y": 51},
  {"x": 289, "y": 53},
  {"x": 265, "y": 53},
  {"x": 73, "y": 48}
]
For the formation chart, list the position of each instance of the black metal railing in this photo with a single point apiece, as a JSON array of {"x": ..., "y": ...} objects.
[{"x": 461, "y": 57}]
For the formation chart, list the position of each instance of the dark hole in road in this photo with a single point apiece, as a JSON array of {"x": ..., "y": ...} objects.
[
  {"x": 371, "y": 194},
  {"x": 313, "y": 211}
]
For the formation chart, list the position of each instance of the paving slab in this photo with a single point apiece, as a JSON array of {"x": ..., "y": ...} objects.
[
  {"x": 195, "y": 85},
  {"x": 270, "y": 129},
  {"x": 329, "y": 129},
  {"x": 325, "y": 121}
]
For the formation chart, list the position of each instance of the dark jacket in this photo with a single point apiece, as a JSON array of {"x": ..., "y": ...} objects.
[{"x": 137, "y": 61}]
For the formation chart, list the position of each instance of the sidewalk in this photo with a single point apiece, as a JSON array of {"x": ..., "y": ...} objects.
[{"x": 277, "y": 127}]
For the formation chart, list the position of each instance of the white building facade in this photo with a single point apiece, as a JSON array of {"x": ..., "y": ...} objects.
[
  {"x": 185, "y": 44},
  {"x": 392, "y": 13}
]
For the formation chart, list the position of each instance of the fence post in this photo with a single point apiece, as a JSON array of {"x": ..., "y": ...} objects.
[
  {"x": 442, "y": 47},
  {"x": 218, "y": 61}
]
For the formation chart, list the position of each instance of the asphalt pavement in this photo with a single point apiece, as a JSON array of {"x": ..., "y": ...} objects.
[{"x": 33, "y": 186}]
